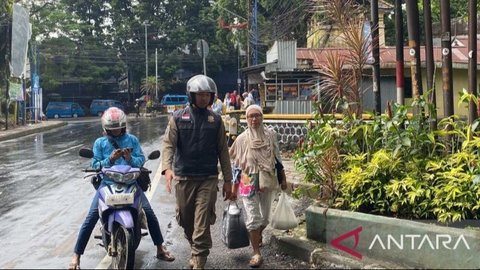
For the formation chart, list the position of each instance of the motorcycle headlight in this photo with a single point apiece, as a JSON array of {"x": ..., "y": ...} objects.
[
  {"x": 115, "y": 176},
  {"x": 121, "y": 178},
  {"x": 130, "y": 176}
]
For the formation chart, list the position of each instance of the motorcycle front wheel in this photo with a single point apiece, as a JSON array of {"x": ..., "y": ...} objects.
[{"x": 124, "y": 244}]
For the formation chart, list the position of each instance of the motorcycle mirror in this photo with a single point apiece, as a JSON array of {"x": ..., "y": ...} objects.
[
  {"x": 154, "y": 155},
  {"x": 86, "y": 153}
]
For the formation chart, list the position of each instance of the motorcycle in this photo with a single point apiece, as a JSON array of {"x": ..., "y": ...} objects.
[{"x": 120, "y": 210}]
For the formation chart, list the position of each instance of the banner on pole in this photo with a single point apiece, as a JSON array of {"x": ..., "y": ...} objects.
[
  {"x": 16, "y": 91},
  {"x": 21, "y": 32}
]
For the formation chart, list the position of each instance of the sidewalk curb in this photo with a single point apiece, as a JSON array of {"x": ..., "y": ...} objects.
[
  {"x": 296, "y": 244},
  {"x": 28, "y": 130}
]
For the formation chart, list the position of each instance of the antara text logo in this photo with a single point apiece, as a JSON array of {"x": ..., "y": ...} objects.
[{"x": 400, "y": 242}]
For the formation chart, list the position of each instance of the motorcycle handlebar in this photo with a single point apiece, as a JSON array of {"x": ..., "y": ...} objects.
[
  {"x": 143, "y": 169},
  {"x": 99, "y": 170},
  {"x": 92, "y": 170}
]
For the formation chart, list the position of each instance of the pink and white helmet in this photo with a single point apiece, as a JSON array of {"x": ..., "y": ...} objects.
[{"x": 114, "y": 118}]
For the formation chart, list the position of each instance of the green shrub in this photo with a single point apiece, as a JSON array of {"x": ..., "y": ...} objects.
[{"x": 394, "y": 165}]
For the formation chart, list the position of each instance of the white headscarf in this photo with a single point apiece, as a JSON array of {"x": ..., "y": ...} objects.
[{"x": 253, "y": 150}]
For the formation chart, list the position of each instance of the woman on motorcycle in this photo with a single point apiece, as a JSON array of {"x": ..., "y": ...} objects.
[{"x": 117, "y": 147}]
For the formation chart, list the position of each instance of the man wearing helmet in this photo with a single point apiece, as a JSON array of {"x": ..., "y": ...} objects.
[
  {"x": 193, "y": 144},
  {"x": 117, "y": 147}
]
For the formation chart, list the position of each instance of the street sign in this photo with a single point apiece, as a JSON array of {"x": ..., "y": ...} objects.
[{"x": 202, "y": 48}]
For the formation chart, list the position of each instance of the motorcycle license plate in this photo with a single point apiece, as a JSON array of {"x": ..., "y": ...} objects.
[{"x": 119, "y": 199}]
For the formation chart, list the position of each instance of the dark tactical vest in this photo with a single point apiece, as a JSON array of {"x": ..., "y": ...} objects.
[{"x": 197, "y": 144}]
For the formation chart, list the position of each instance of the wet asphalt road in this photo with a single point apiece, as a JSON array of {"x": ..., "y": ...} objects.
[
  {"x": 44, "y": 196},
  {"x": 45, "y": 199}
]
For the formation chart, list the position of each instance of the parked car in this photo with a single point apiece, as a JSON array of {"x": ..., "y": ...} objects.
[
  {"x": 171, "y": 103},
  {"x": 57, "y": 109},
  {"x": 98, "y": 106}
]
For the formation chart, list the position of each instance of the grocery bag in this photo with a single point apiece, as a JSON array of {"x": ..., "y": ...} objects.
[
  {"x": 283, "y": 217},
  {"x": 234, "y": 232}
]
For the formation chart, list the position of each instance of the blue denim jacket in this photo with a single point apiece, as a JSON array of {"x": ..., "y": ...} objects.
[{"x": 102, "y": 148}]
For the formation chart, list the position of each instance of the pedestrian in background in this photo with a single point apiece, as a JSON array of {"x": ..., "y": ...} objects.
[
  {"x": 217, "y": 105},
  {"x": 233, "y": 99},
  {"x": 255, "y": 96},
  {"x": 226, "y": 101},
  {"x": 253, "y": 154},
  {"x": 247, "y": 100},
  {"x": 238, "y": 103},
  {"x": 137, "y": 108},
  {"x": 194, "y": 143}
]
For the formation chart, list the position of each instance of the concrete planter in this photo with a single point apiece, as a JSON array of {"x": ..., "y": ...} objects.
[{"x": 411, "y": 244}]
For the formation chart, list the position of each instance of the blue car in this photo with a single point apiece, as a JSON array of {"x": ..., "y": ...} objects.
[
  {"x": 171, "y": 103},
  {"x": 98, "y": 106},
  {"x": 57, "y": 109}
]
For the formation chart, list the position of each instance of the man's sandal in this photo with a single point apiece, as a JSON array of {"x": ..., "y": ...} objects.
[
  {"x": 165, "y": 256},
  {"x": 74, "y": 266},
  {"x": 256, "y": 261}
]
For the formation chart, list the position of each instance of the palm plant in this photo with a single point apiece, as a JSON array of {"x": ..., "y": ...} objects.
[{"x": 149, "y": 85}]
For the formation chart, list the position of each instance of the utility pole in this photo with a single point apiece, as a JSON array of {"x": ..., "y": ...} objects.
[
  {"x": 399, "y": 54},
  {"x": 255, "y": 33},
  {"x": 427, "y": 13},
  {"x": 32, "y": 82},
  {"x": 156, "y": 75},
  {"x": 472, "y": 58},
  {"x": 248, "y": 35},
  {"x": 446, "y": 58},
  {"x": 146, "y": 52},
  {"x": 414, "y": 44},
  {"x": 204, "y": 60},
  {"x": 376, "y": 57},
  {"x": 239, "y": 81},
  {"x": 7, "y": 61},
  {"x": 39, "y": 111}
]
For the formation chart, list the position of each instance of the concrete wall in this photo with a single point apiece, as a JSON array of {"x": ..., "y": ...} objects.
[{"x": 289, "y": 132}]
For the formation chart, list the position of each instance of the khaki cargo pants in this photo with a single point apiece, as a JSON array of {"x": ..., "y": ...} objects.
[{"x": 196, "y": 211}]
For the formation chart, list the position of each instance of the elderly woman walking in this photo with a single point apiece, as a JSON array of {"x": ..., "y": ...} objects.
[{"x": 253, "y": 154}]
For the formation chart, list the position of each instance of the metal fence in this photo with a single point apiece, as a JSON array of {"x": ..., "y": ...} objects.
[{"x": 293, "y": 107}]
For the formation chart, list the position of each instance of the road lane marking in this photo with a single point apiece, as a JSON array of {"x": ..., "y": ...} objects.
[{"x": 68, "y": 149}]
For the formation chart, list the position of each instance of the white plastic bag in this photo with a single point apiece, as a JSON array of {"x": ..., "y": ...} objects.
[{"x": 284, "y": 218}]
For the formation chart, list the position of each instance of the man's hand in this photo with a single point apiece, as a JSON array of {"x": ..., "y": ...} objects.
[
  {"x": 168, "y": 179},
  {"x": 227, "y": 190},
  {"x": 283, "y": 186},
  {"x": 233, "y": 197},
  {"x": 116, "y": 154}
]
